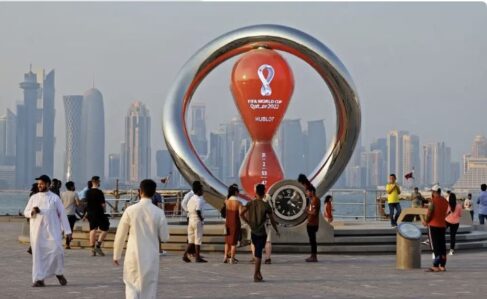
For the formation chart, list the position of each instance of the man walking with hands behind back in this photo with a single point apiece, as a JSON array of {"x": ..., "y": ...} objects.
[
  {"x": 393, "y": 191},
  {"x": 47, "y": 221},
  {"x": 147, "y": 227},
  {"x": 195, "y": 224}
]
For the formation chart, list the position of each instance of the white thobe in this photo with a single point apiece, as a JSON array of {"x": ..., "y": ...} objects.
[
  {"x": 147, "y": 227},
  {"x": 46, "y": 234}
]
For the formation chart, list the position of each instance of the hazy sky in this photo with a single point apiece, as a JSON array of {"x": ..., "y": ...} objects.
[{"x": 418, "y": 67}]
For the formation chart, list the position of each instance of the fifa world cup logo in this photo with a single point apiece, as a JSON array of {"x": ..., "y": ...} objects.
[{"x": 262, "y": 84}]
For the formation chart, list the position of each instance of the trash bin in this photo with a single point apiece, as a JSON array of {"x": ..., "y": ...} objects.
[{"x": 408, "y": 246}]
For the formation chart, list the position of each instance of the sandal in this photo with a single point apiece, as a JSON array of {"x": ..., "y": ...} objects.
[
  {"x": 268, "y": 261},
  {"x": 432, "y": 269},
  {"x": 442, "y": 269},
  {"x": 62, "y": 280}
]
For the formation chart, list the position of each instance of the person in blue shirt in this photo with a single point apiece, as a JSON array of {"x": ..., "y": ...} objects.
[{"x": 482, "y": 202}]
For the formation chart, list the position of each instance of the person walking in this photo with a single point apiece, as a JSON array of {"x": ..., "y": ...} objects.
[
  {"x": 95, "y": 212},
  {"x": 482, "y": 202},
  {"x": 328, "y": 213},
  {"x": 393, "y": 191},
  {"x": 255, "y": 213},
  {"x": 435, "y": 221},
  {"x": 47, "y": 222},
  {"x": 146, "y": 226},
  {"x": 312, "y": 226},
  {"x": 70, "y": 201},
  {"x": 454, "y": 213},
  {"x": 195, "y": 224},
  {"x": 232, "y": 224},
  {"x": 468, "y": 205}
]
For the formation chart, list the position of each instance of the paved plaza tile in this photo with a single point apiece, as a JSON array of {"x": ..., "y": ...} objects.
[{"x": 335, "y": 276}]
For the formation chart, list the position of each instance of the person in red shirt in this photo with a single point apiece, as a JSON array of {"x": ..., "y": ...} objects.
[
  {"x": 328, "y": 214},
  {"x": 313, "y": 210},
  {"x": 435, "y": 221}
]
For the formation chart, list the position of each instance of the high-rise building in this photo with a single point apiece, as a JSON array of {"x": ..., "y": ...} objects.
[
  {"x": 376, "y": 175},
  {"x": 290, "y": 146},
  {"x": 380, "y": 145},
  {"x": 411, "y": 157},
  {"x": 74, "y": 160},
  {"x": 164, "y": 163},
  {"x": 198, "y": 128},
  {"x": 479, "y": 147},
  {"x": 7, "y": 138},
  {"x": 216, "y": 155},
  {"x": 46, "y": 123},
  {"x": 395, "y": 154},
  {"x": 236, "y": 144},
  {"x": 316, "y": 144},
  {"x": 123, "y": 162},
  {"x": 437, "y": 164},
  {"x": 27, "y": 162},
  {"x": 113, "y": 166},
  {"x": 93, "y": 130},
  {"x": 137, "y": 142}
]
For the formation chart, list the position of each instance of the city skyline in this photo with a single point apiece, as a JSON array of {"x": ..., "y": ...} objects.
[{"x": 432, "y": 68}]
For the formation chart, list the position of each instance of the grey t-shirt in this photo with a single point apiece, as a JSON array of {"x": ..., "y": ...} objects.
[{"x": 69, "y": 199}]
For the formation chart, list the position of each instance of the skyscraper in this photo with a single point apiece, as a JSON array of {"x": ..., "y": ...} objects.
[
  {"x": 411, "y": 156},
  {"x": 93, "y": 130},
  {"x": 46, "y": 122},
  {"x": 376, "y": 175},
  {"x": 479, "y": 147},
  {"x": 315, "y": 145},
  {"x": 437, "y": 164},
  {"x": 290, "y": 146},
  {"x": 137, "y": 142},
  {"x": 198, "y": 128},
  {"x": 7, "y": 138},
  {"x": 236, "y": 144},
  {"x": 27, "y": 162},
  {"x": 380, "y": 145},
  {"x": 73, "y": 164},
  {"x": 217, "y": 153},
  {"x": 395, "y": 153},
  {"x": 113, "y": 166}
]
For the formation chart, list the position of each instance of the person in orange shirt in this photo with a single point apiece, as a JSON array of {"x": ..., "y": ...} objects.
[
  {"x": 328, "y": 214},
  {"x": 435, "y": 221}
]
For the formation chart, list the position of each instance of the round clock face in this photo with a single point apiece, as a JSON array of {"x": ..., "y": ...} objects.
[{"x": 289, "y": 202}]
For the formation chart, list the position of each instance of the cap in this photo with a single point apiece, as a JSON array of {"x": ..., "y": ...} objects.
[
  {"x": 44, "y": 178},
  {"x": 436, "y": 188}
]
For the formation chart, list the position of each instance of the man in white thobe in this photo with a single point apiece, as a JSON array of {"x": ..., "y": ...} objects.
[
  {"x": 47, "y": 222},
  {"x": 147, "y": 227}
]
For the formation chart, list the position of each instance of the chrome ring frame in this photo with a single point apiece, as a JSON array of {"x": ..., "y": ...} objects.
[{"x": 239, "y": 41}]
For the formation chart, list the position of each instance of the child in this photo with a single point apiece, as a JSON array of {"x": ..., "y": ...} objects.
[{"x": 328, "y": 209}]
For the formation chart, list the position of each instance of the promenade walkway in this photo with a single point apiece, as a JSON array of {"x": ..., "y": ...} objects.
[{"x": 335, "y": 276}]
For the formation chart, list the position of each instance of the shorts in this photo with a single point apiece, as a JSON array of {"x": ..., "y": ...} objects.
[
  {"x": 259, "y": 244},
  {"x": 195, "y": 232},
  {"x": 99, "y": 221}
]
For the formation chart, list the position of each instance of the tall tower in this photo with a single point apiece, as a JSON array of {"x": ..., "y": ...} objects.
[
  {"x": 198, "y": 128},
  {"x": 47, "y": 122},
  {"x": 395, "y": 154},
  {"x": 411, "y": 156},
  {"x": 316, "y": 144},
  {"x": 26, "y": 145},
  {"x": 93, "y": 130},
  {"x": 137, "y": 142},
  {"x": 479, "y": 147},
  {"x": 8, "y": 124},
  {"x": 291, "y": 140},
  {"x": 73, "y": 164}
]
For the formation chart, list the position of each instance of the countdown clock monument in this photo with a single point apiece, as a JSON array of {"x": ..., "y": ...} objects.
[{"x": 262, "y": 84}]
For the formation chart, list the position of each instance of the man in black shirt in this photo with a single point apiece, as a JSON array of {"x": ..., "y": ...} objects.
[{"x": 95, "y": 212}]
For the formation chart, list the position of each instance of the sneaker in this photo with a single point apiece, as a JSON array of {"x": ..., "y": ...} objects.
[
  {"x": 62, "y": 280},
  {"x": 452, "y": 252},
  {"x": 93, "y": 252},
  {"x": 99, "y": 251},
  {"x": 432, "y": 256},
  {"x": 162, "y": 253},
  {"x": 39, "y": 283}
]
